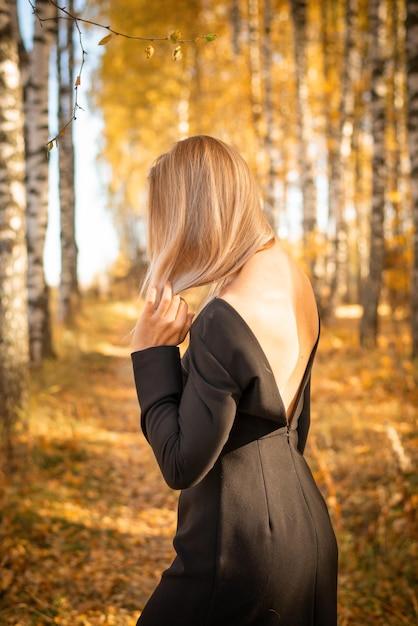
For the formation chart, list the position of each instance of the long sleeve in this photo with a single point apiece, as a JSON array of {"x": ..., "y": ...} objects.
[{"x": 186, "y": 427}]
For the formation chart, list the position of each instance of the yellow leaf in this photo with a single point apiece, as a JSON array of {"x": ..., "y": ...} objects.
[
  {"x": 177, "y": 54},
  {"x": 105, "y": 40},
  {"x": 149, "y": 51}
]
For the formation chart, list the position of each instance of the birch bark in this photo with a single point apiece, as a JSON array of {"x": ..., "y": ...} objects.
[
  {"x": 270, "y": 134},
  {"x": 339, "y": 137},
  {"x": 36, "y": 118},
  {"x": 14, "y": 346},
  {"x": 68, "y": 291},
  {"x": 307, "y": 185},
  {"x": 373, "y": 283}
]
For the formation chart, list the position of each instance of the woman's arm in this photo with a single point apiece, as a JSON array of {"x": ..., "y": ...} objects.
[{"x": 186, "y": 428}]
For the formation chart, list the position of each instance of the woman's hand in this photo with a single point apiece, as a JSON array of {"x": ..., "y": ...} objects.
[{"x": 164, "y": 325}]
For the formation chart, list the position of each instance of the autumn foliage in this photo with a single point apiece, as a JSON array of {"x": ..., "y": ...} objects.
[{"x": 87, "y": 521}]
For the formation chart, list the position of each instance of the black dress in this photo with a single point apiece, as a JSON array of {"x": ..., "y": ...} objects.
[{"x": 254, "y": 542}]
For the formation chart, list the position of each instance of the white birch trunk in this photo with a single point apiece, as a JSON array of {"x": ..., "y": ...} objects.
[
  {"x": 373, "y": 284},
  {"x": 307, "y": 185},
  {"x": 68, "y": 292},
  {"x": 36, "y": 117},
  {"x": 14, "y": 346},
  {"x": 271, "y": 133},
  {"x": 338, "y": 159}
]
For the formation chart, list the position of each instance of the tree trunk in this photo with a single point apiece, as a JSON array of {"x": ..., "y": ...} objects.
[
  {"x": 412, "y": 90},
  {"x": 36, "y": 118},
  {"x": 68, "y": 292},
  {"x": 373, "y": 284},
  {"x": 307, "y": 185},
  {"x": 271, "y": 131},
  {"x": 235, "y": 20},
  {"x": 398, "y": 235},
  {"x": 256, "y": 84},
  {"x": 14, "y": 345},
  {"x": 339, "y": 138}
]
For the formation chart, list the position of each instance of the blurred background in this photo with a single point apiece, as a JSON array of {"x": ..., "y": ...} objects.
[
  {"x": 313, "y": 94},
  {"x": 321, "y": 98}
]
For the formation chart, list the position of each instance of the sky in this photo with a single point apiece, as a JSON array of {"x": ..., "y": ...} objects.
[{"x": 96, "y": 238}]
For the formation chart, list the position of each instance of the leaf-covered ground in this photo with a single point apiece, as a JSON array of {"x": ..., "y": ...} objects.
[{"x": 87, "y": 521}]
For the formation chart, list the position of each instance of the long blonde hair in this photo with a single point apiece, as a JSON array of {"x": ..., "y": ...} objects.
[{"x": 204, "y": 216}]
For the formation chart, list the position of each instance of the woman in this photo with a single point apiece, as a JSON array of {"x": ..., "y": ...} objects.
[{"x": 228, "y": 423}]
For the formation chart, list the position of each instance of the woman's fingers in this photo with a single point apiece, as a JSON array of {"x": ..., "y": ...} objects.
[
  {"x": 166, "y": 300},
  {"x": 151, "y": 298},
  {"x": 165, "y": 324},
  {"x": 172, "y": 307},
  {"x": 181, "y": 313}
]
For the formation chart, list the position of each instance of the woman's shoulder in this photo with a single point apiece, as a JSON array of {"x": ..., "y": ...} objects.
[
  {"x": 220, "y": 335},
  {"x": 220, "y": 330},
  {"x": 217, "y": 320}
]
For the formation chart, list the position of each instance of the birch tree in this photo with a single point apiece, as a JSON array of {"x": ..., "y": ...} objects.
[
  {"x": 256, "y": 89},
  {"x": 373, "y": 283},
  {"x": 412, "y": 90},
  {"x": 338, "y": 113},
  {"x": 14, "y": 352},
  {"x": 307, "y": 185},
  {"x": 68, "y": 291},
  {"x": 271, "y": 133},
  {"x": 36, "y": 117}
]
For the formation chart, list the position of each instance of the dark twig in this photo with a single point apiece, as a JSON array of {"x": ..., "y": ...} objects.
[
  {"x": 111, "y": 30},
  {"x": 174, "y": 38}
]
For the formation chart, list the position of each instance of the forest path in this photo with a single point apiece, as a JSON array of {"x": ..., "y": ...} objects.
[{"x": 87, "y": 520}]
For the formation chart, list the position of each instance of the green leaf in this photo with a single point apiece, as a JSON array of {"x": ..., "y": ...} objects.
[
  {"x": 210, "y": 36},
  {"x": 175, "y": 36}
]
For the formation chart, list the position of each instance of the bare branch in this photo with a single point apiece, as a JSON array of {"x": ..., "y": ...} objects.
[
  {"x": 78, "y": 18},
  {"x": 77, "y": 84},
  {"x": 174, "y": 38}
]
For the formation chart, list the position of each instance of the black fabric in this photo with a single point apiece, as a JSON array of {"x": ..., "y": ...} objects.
[{"x": 254, "y": 542}]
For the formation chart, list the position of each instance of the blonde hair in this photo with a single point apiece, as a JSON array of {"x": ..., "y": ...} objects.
[{"x": 204, "y": 216}]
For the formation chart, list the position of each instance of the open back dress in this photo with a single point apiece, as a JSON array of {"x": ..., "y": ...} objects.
[{"x": 254, "y": 543}]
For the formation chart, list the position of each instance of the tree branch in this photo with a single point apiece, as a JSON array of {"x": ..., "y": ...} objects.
[{"x": 174, "y": 38}]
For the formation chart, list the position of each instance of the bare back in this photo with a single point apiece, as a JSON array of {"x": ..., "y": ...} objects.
[{"x": 276, "y": 300}]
